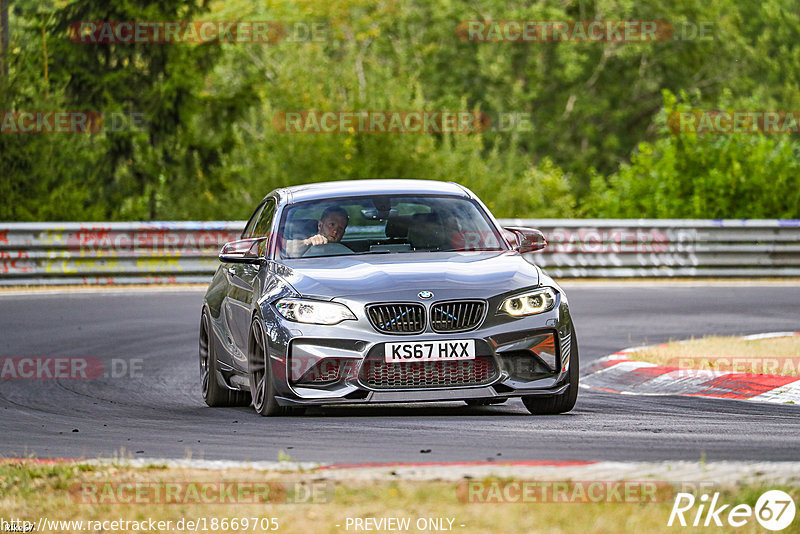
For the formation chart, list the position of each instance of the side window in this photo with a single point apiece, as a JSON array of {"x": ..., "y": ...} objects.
[
  {"x": 264, "y": 224},
  {"x": 248, "y": 229}
]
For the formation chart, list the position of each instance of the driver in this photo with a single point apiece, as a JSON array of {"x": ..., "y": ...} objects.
[{"x": 330, "y": 229}]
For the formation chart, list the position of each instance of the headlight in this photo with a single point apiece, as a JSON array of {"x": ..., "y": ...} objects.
[
  {"x": 538, "y": 301},
  {"x": 313, "y": 311}
]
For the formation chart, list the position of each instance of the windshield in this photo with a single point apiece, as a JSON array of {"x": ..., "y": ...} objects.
[{"x": 396, "y": 224}]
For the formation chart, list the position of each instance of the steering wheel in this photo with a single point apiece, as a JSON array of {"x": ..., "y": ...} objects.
[{"x": 328, "y": 249}]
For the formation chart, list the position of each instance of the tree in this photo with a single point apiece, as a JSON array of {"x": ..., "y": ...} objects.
[
  {"x": 169, "y": 128},
  {"x": 711, "y": 175}
]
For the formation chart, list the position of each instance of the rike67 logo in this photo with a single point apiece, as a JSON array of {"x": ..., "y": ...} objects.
[{"x": 774, "y": 510}]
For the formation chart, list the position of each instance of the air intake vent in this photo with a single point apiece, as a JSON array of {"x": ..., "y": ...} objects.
[
  {"x": 327, "y": 370},
  {"x": 457, "y": 316},
  {"x": 398, "y": 318},
  {"x": 377, "y": 374}
]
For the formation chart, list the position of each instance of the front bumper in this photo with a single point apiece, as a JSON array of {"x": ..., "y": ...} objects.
[{"x": 318, "y": 365}]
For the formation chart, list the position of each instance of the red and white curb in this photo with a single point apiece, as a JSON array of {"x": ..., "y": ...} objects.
[
  {"x": 720, "y": 473},
  {"x": 617, "y": 374}
]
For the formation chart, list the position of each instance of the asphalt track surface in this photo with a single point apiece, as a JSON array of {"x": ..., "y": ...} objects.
[{"x": 159, "y": 413}]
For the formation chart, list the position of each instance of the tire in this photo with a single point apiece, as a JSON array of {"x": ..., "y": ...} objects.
[
  {"x": 214, "y": 394},
  {"x": 563, "y": 402},
  {"x": 484, "y": 402},
  {"x": 262, "y": 388}
]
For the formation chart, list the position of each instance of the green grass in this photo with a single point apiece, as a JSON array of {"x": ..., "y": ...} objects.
[{"x": 30, "y": 491}]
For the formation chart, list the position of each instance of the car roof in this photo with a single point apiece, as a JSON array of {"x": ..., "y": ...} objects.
[{"x": 320, "y": 190}]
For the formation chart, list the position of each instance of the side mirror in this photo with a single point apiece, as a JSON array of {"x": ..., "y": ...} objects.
[
  {"x": 528, "y": 239},
  {"x": 242, "y": 251}
]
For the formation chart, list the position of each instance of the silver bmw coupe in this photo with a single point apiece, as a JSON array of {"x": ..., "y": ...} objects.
[{"x": 384, "y": 291}]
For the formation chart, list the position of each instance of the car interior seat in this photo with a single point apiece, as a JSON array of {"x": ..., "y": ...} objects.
[
  {"x": 426, "y": 231},
  {"x": 397, "y": 228}
]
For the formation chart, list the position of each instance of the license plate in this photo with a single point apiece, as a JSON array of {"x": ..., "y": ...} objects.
[{"x": 429, "y": 351}]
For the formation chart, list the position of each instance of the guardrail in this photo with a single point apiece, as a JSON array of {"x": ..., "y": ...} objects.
[
  {"x": 668, "y": 247},
  {"x": 186, "y": 252},
  {"x": 112, "y": 253}
]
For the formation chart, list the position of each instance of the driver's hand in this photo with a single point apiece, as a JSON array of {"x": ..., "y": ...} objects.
[{"x": 315, "y": 240}]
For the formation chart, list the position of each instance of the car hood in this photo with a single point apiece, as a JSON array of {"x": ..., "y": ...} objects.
[{"x": 448, "y": 274}]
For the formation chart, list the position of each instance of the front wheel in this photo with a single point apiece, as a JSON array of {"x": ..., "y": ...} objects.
[
  {"x": 262, "y": 388},
  {"x": 562, "y": 402}
]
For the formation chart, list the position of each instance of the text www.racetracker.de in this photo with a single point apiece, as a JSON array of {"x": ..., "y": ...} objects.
[{"x": 198, "y": 524}]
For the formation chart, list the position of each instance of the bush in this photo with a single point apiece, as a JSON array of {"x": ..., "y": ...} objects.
[{"x": 747, "y": 176}]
